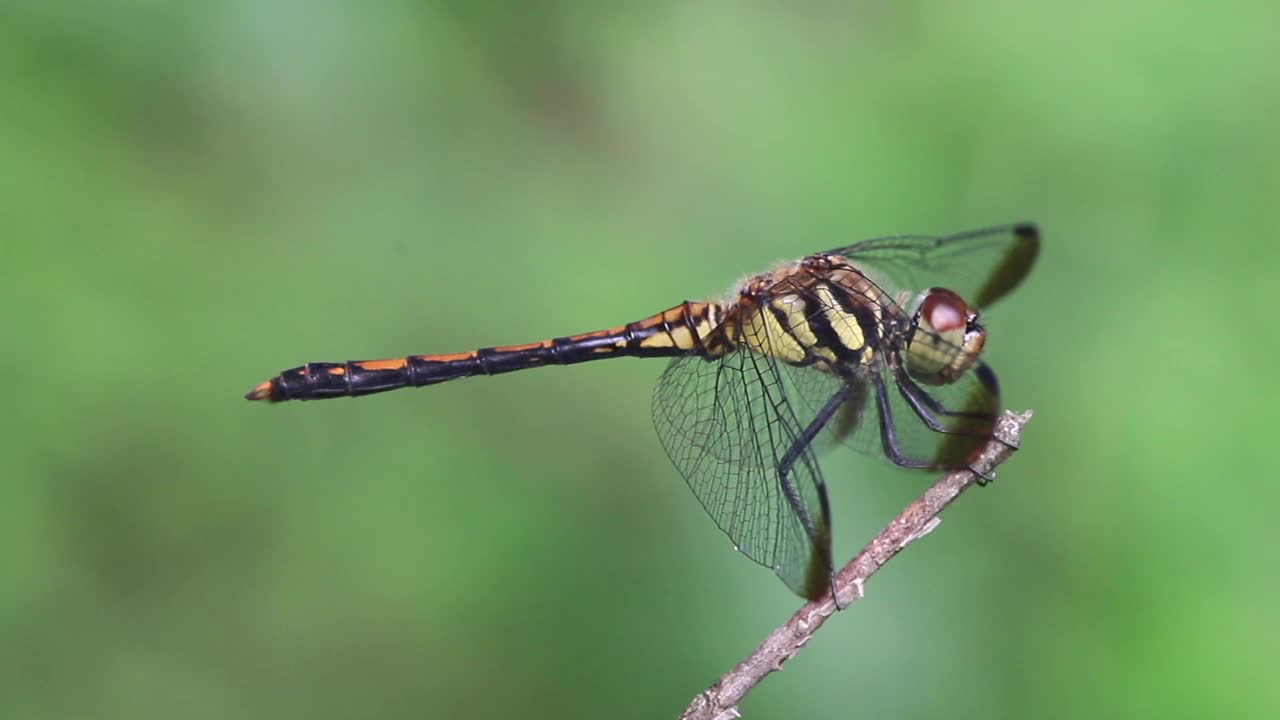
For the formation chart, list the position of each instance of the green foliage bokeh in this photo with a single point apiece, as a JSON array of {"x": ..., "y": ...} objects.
[{"x": 195, "y": 196}]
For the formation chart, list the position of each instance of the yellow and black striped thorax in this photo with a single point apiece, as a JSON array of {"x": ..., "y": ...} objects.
[{"x": 820, "y": 311}]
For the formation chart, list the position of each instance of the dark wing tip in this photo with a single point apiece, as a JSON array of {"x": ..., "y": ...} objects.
[
  {"x": 1013, "y": 267},
  {"x": 818, "y": 575},
  {"x": 1029, "y": 234},
  {"x": 1027, "y": 231}
]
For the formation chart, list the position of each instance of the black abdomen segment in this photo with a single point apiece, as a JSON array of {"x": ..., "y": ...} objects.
[{"x": 666, "y": 334}]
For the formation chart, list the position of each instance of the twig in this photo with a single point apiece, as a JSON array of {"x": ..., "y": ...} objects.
[{"x": 719, "y": 702}]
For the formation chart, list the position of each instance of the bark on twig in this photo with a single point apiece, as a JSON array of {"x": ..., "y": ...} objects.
[{"x": 719, "y": 702}]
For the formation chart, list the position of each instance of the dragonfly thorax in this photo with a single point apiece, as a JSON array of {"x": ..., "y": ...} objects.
[
  {"x": 819, "y": 312},
  {"x": 945, "y": 338}
]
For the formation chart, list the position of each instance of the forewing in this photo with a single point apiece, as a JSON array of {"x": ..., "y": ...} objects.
[
  {"x": 980, "y": 265},
  {"x": 726, "y": 424}
]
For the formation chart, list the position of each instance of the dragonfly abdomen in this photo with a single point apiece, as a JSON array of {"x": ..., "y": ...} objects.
[{"x": 665, "y": 334}]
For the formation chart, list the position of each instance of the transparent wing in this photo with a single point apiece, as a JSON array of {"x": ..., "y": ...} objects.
[
  {"x": 888, "y": 414},
  {"x": 731, "y": 430},
  {"x": 813, "y": 385},
  {"x": 980, "y": 265}
]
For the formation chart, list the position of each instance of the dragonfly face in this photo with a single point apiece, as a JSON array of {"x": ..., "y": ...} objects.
[
  {"x": 822, "y": 348},
  {"x": 945, "y": 338}
]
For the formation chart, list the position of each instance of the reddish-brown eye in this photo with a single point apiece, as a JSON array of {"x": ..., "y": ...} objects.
[{"x": 944, "y": 310}]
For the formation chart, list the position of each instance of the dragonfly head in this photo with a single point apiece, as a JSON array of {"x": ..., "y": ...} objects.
[{"x": 945, "y": 338}]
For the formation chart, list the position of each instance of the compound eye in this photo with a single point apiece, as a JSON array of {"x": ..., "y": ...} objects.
[
  {"x": 946, "y": 340},
  {"x": 944, "y": 310}
]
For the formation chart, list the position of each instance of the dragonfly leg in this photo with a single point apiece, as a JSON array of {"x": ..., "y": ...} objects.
[
  {"x": 819, "y": 533},
  {"x": 802, "y": 442},
  {"x": 888, "y": 434},
  {"x": 984, "y": 478},
  {"x": 889, "y": 438},
  {"x": 927, "y": 408}
]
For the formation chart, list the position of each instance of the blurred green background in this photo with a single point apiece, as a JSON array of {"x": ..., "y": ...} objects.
[{"x": 196, "y": 196}]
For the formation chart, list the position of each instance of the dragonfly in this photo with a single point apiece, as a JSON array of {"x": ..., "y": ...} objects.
[{"x": 876, "y": 345}]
